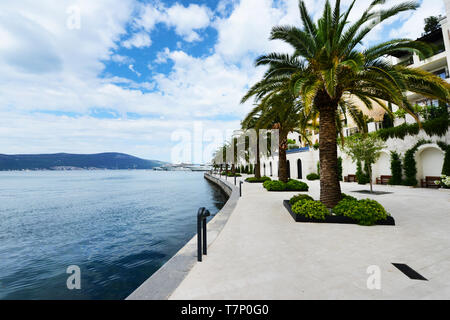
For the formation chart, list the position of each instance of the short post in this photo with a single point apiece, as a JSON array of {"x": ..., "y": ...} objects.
[
  {"x": 199, "y": 233},
  {"x": 205, "y": 241},
  {"x": 201, "y": 227},
  {"x": 240, "y": 188},
  {"x": 235, "y": 179}
]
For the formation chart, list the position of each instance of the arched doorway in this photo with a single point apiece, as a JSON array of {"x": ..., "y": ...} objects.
[
  {"x": 299, "y": 169},
  {"x": 430, "y": 160},
  {"x": 288, "y": 164},
  {"x": 271, "y": 171}
]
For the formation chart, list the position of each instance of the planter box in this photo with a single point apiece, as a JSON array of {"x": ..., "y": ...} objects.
[{"x": 332, "y": 219}]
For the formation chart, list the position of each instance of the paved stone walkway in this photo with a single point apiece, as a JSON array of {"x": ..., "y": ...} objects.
[{"x": 263, "y": 254}]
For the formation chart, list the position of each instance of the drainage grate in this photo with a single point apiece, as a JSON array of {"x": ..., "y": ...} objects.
[{"x": 411, "y": 273}]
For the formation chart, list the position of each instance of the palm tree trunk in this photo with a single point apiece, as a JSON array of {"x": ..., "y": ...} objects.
[
  {"x": 282, "y": 159},
  {"x": 258, "y": 158},
  {"x": 330, "y": 188}
]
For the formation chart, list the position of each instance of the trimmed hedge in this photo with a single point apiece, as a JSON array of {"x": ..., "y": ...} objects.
[
  {"x": 313, "y": 176},
  {"x": 300, "y": 197},
  {"x": 446, "y": 148},
  {"x": 366, "y": 212},
  {"x": 274, "y": 185},
  {"x": 347, "y": 197},
  {"x": 230, "y": 174},
  {"x": 295, "y": 185},
  {"x": 311, "y": 209},
  {"x": 396, "y": 169},
  {"x": 255, "y": 180},
  {"x": 292, "y": 185}
]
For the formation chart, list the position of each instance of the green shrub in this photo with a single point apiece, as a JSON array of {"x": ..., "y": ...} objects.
[
  {"x": 230, "y": 174},
  {"x": 290, "y": 141},
  {"x": 274, "y": 185},
  {"x": 434, "y": 127},
  {"x": 346, "y": 196},
  {"x": 361, "y": 176},
  {"x": 396, "y": 169},
  {"x": 446, "y": 148},
  {"x": 300, "y": 197},
  {"x": 292, "y": 185},
  {"x": 311, "y": 209},
  {"x": 409, "y": 165},
  {"x": 262, "y": 180},
  {"x": 295, "y": 185},
  {"x": 340, "y": 169},
  {"x": 345, "y": 206},
  {"x": 313, "y": 176},
  {"x": 365, "y": 212}
]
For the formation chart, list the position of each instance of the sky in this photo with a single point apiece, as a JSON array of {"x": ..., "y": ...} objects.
[{"x": 83, "y": 76}]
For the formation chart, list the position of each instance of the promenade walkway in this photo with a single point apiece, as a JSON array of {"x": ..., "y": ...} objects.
[{"x": 263, "y": 254}]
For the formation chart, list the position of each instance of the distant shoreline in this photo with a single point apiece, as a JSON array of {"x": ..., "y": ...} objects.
[{"x": 75, "y": 162}]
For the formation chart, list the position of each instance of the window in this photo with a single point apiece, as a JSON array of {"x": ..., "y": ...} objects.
[{"x": 441, "y": 73}]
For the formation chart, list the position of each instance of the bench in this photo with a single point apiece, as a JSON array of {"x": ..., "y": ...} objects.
[
  {"x": 430, "y": 182},
  {"x": 384, "y": 180},
  {"x": 350, "y": 178}
]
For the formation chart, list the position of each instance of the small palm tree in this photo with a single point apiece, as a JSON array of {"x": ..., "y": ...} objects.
[
  {"x": 279, "y": 109},
  {"x": 329, "y": 65},
  {"x": 252, "y": 123}
]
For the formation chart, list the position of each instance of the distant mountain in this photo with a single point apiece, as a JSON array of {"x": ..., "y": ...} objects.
[{"x": 65, "y": 161}]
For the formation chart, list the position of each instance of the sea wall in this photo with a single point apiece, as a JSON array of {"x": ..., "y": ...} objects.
[{"x": 164, "y": 281}]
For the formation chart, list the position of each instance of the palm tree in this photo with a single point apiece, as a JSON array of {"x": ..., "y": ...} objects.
[
  {"x": 278, "y": 109},
  {"x": 328, "y": 65},
  {"x": 252, "y": 123}
]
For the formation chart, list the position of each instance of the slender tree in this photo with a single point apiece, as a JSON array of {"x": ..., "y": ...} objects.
[
  {"x": 329, "y": 65},
  {"x": 365, "y": 150},
  {"x": 252, "y": 123},
  {"x": 278, "y": 109}
]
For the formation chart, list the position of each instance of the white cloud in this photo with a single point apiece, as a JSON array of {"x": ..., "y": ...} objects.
[
  {"x": 121, "y": 59},
  {"x": 162, "y": 56},
  {"x": 138, "y": 40},
  {"x": 414, "y": 22},
  {"x": 187, "y": 19},
  {"x": 131, "y": 67}
]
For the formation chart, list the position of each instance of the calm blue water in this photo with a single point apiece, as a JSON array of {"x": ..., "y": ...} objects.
[{"x": 119, "y": 227}]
